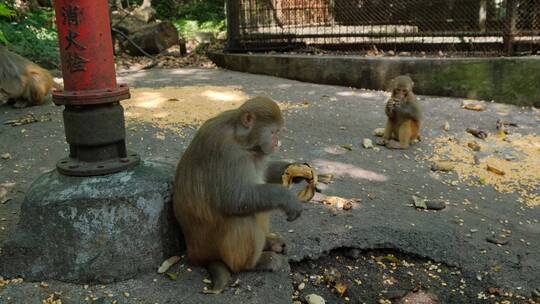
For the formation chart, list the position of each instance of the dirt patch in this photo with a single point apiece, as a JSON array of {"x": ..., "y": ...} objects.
[
  {"x": 382, "y": 276},
  {"x": 507, "y": 163},
  {"x": 175, "y": 108}
]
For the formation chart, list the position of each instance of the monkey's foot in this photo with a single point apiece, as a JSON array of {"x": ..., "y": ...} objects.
[
  {"x": 220, "y": 275},
  {"x": 275, "y": 243},
  {"x": 395, "y": 145},
  {"x": 20, "y": 104},
  {"x": 270, "y": 261}
]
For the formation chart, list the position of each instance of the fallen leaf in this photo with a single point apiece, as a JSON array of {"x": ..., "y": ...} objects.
[
  {"x": 442, "y": 166},
  {"x": 347, "y": 147},
  {"x": 27, "y": 119},
  {"x": 473, "y": 105},
  {"x": 341, "y": 288},
  {"x": 494, "y": 170},
  {"x": 389, "y": 258},
  {"x": 477, "y": 133},
  {"x": 473, "y": 145},
  {"x": 501, "y": 134},
  {"x": 168, "y": 263},
  {"x": 419, "y": 202}
]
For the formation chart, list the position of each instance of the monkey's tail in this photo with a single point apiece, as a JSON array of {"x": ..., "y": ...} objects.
[{"x": 220, "y": 275}]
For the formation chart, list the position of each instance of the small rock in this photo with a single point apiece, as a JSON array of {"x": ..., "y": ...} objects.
[
  {"x": 367, "y": 143},
  {"x": 497, "y": 241},
  {"x": 6, "y": 156},
  {"x": 379, "y": 132},
  {"x": 314, "y": 299},
  {"x": 301, "y": 286},
  {"x": 446, "y": 126},
  {"x": 435, "y": 205}
]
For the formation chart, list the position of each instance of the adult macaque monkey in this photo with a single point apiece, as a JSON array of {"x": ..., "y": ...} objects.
[
  {"x": 404, "y": 115},
  {"x": 221, "y": 197},
  {"x": 22, "y": 82}
]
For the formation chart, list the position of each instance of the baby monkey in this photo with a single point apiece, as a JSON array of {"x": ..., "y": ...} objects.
[{"x": 404, "y": 115}]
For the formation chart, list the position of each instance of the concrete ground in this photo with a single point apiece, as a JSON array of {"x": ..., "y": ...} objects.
[{"x": 319, "y": 120}]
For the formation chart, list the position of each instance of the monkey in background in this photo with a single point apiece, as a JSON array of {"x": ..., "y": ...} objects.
[
  {"x": 404, "y": 115},
  {"x": 225, "y": 189},
  {"x": 22, "y": 82}
]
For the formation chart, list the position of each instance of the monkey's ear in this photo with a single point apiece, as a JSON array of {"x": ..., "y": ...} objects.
[{"x": 248, "y": 119}]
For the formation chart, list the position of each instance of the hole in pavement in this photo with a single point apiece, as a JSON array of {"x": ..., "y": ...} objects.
[{"x": 349, "y": 275}]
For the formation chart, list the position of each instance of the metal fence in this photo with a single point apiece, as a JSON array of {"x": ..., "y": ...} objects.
[{"x": 489, "y": 27}]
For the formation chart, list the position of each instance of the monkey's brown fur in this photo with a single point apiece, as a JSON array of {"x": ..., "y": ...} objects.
[
  {"x": 404, "y": 115},
  {"x": 23, "y": 82},
  {"x": 221, "y": 198}
]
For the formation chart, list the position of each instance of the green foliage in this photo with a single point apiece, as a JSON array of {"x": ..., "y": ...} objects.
[
  {"x": 209, "y": 10},
  {"x": 200, "y": 16},
  {"x": 6, "y": 11},
  {"x": 188, "y": 28},
  {"x": 32, "y": 36}
]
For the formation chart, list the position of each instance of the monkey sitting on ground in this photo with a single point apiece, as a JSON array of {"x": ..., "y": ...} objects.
[
  {"x": 404, "y": 115},
  {"x": 224, "y": 190},
  {"x": 22, "y": 82}
]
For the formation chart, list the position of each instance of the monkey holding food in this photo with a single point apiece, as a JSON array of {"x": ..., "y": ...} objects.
[
  {"x": 22, "y": 82},
  {"x": 225, "y": 188},
  {"x": 403, "y": 113}
]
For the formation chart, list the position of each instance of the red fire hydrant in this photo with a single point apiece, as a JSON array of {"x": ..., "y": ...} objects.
[{"x": 93, "y": 116}]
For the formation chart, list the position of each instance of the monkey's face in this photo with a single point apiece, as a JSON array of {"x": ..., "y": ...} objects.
[
  {"x": 265, "y": 139},
  {"x": 400, "y": 93}
]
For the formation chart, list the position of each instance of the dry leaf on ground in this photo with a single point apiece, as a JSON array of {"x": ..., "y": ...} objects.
[{"x": 168, "y": 263}]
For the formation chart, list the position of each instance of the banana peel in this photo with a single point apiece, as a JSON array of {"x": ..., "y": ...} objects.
[{"x": 305, "y": 172}]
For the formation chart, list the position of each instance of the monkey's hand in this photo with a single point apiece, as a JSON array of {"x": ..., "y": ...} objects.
[
  {"x": 293, "y": 210},
  {"x": 391, "y": 105}
]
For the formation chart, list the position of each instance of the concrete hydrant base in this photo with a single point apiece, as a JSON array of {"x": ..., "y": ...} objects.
[{"x": 94, "y": 229}]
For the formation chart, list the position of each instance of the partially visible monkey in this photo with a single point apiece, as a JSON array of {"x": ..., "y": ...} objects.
[
  {"x": 22, "y": 82},
  {"x": 404, "y": 115},
  {"x": 221, "y": 196}
]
